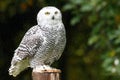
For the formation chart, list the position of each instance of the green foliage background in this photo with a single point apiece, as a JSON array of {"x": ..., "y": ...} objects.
[{"x": 93, "y": 36}]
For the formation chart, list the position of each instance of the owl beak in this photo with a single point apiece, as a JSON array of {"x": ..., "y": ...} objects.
[{"x": 53, "y": 17}]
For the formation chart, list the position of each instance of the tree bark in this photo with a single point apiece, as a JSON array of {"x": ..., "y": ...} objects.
[{"x": 53, "y": 74}]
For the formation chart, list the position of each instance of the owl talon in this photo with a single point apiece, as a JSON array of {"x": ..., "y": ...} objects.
[
  {"x": 42, "y": 68},
  {"x": 47, "y": 67}
]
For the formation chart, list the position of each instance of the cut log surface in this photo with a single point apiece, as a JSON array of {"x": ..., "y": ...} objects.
[{"x": 53, "y": 74}]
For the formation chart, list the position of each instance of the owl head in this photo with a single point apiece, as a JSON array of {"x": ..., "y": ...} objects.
[{"x": 49, "y": 15}]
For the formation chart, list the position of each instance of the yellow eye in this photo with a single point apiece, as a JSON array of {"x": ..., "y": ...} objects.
[
  {"x": 47, "y": 13},
  {"x": 56, "y": 12}
]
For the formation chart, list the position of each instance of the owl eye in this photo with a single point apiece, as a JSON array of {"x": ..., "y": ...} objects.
[
  {"x": 56, "y": 12},
  {"x": 47, "y": 13}
]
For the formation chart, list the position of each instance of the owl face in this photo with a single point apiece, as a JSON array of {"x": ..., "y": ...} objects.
[{"x": 49, "y": 15}]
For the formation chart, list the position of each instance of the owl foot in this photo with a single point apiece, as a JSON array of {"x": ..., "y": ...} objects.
[
  {"x": 44, "y": 68},
  {"x": 47, "y": 67}
]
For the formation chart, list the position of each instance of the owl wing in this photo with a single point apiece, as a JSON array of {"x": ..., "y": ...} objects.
[
  {"x": 27, "y": 48},
  {"x": 31, "y": 41}
]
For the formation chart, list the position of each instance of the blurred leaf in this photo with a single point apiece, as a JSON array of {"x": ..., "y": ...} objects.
[
  {"x": 68, "y": 7},
  {"x": 97, "y": 27},
  {"x": 93, "y": 39},
  {"x": 106, "y": 64},
  {"x": 92, "y": 19},
  {"x": 100, "y": 5},
  {"x": 80, "y": 52},
  {"x": 86, "y": 8},
  {"x": 117, "y": 41},
  {"x": 112, "y": 53},
  {"x": 77, "y": 2},
  {"x": 75, "y": 20},
  {"x": 111, "y": 35},
  {"x": 117, "y": 19},
  {"x": 118, "y": 49}
]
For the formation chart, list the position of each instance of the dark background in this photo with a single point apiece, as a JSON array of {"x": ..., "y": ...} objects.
[{"x": 93, "y": 36}]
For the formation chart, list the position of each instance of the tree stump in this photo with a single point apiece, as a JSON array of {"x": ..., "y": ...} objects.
[{"x": 53, "y": 74}]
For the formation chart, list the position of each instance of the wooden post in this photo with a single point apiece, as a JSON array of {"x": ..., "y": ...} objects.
[{"x": 53, "y": 74}]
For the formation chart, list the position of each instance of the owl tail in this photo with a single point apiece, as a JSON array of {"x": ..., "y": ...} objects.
[{"x": 18, "y": 68}]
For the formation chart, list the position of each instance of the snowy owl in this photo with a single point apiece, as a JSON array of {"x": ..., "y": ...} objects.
[{"x": 42, "y": 44}]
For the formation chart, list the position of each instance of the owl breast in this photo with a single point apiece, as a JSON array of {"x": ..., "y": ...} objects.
[{"x": 52, "y": 47}]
